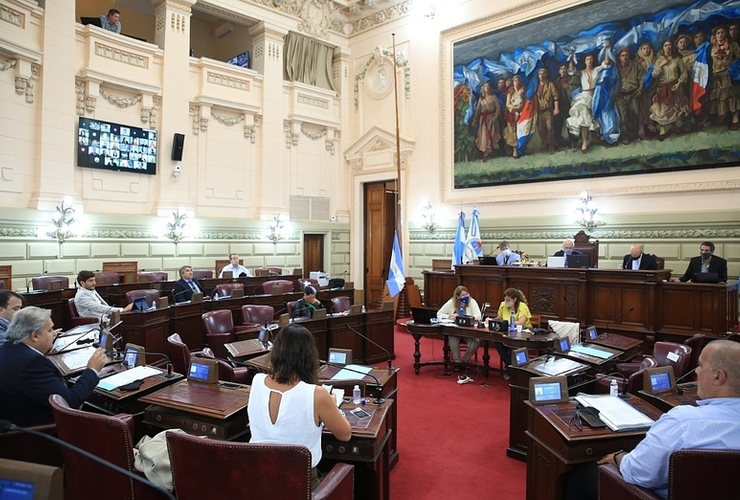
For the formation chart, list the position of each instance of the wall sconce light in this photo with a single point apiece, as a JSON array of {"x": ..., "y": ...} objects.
[
  {"x": 586, "y": 212},
  {"x": 428, "y": 214},
  {"x": 276, "y": 229},
  {"x": 176, "y": 226},
  {"x": 63, "y": 223}
]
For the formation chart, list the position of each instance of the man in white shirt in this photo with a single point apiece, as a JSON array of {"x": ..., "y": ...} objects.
[
  {"x": 237, "y": 270},
  {"x": 89, "y": 303}
]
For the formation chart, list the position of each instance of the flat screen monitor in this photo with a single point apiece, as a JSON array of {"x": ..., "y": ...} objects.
[
  {"x": 563, "y": 344},
  {"x": 106, "y": 340},
  {"x": 548, "y": 390},
  {"x": 203, "y": 370},
  {"x": 24, "y": 480},
  {"x": 556, "y": 262},
  {"x": 241, "y": 60},
  {"x": 422, "y": 315},
  {"x": 133, "y": 355},
  {"x": 519, "y": 357},
  {"x": 112, "y": 146},
  {"x": 340, "y": 356},
  {"x": 591, "y": 333},
  {"x": 659, "y": 380}
]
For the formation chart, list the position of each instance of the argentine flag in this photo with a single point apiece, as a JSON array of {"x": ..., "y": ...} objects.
[
  {"x": 458, "y": 247},
  {"x": 396, "y": 278},
  {"x": 473, "y": 245}
]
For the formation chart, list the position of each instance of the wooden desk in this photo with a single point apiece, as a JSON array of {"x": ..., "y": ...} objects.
[
  {"x": 48, "y": 300},
  {"x": 118, "y": 401},
  {"x": 539, "y": 343},
  {"x": 378, "y": 326},
  {"x": 667, "y": 401},
  {"x": 386, "y": 387},
  {"x": 340, "y": 334},
  {"x": 246, "y": 349},
  {"x": 199, "y": 408},
  {"x": 519, "y": 394},
  {"x": 660, "y": 309},
  {"x": 185, "y": 319},
  {"x": 629, "y": 346},
  {"x": 555, "y": 446},
  {"x": 115, "y": 294},
  {"x": 149, "y": 329},
  {"x": 368, "y": 450}
]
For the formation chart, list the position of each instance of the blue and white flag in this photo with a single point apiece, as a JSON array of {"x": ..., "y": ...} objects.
[
  {"x": 396, "y": 277},
  {"x": 473, "y": 245},
  {"x": 458, "y": 247}
]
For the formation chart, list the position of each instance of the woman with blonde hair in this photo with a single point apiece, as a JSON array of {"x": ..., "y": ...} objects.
[
  {"x": 514, "y": 302},
  {"x": 461, "y": 304}
]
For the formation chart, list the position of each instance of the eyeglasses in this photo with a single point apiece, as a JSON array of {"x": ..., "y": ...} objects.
[{"x": 576, "y": 422}]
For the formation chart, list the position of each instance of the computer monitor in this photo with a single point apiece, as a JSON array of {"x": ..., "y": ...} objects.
[
  {"x": 340, "y": 356},
  {"x": 133, "y": 355},
  {"x": 563, "y": 344},
  {"x": 591, "y": 333},
  {"x": 95, "y": 21},
  {"x": 140, "y": 304},
  {"x": 519, "y": 357},
  {"x": 106, "y": 340},
  {"x": 319, "y": 314},
  {"x": 203, "y": 370},
  {"x": 659, "y": 380},
  {"x": 548, "y": 390},
  {"x": 556, "y": 262}
]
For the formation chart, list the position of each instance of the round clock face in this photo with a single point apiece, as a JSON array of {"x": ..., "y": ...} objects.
[{"x": 379, "y": 80}]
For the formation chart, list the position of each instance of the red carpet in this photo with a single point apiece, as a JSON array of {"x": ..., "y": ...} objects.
[{"x": 451, "y": 438}]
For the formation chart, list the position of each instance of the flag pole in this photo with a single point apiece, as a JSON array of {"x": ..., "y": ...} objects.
[{"x": 399, "y": 222}]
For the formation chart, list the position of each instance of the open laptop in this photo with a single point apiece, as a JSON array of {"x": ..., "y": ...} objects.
[
  {"x": 576, "y": 261},
  {"x": 227, "y": 274},
  {"x": 91, "y": 20},
  {"x": 706, "y": 278},
  {"x": 422, "y": 315},
  {"x": 140, "y": 304},
  {"x": 556, "y": 262},
  {"x": 319, "y": 314}
]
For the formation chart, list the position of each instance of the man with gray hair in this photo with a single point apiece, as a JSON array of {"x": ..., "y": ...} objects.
[
  {"x": 637, "y": 260},
  {"x": 28, "y": 377}
]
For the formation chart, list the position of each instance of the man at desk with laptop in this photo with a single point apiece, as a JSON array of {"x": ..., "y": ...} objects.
[
  {"x": 713, "y": 424},
  {"x": 706, "y": 268},
  {"x": 236, "y": 269},
  {"x": 88, "y": 302}
]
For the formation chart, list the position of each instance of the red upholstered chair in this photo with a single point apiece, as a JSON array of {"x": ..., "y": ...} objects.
[
  {"x": 229, "y": 373},
  {"x": 179, "y": 354},
  {"x": 107, "y": 278},
  {"x": 152, "y": 276},
  {"x": 75, "y": 317},
  {"x": 256, "y": 315},
  {"x": 289, "y": 306},
  {"x": 340, "y": 304},
  {"x": 277, "y": 472},
  {"x": 17, "y": 445},
  {"x": 202, "y": 274},
  {"x": 225, "y": 289},
  {"x": 261, "y": 272},
  {"x": 150, "y": 294},
  {"x": 110, "y": 438},
  {"x": 219, "y": 327},
  {"x": 663, "y": 352},
  {"x": 634, "y": 381},
  {"x": 270, "y": 287},
  {"x": 44, "y": 282},
  {"x": 692, "y": 474},
  {"x": 697, "y": 343}
]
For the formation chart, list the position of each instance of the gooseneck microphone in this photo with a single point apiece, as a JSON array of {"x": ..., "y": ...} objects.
[
  {"x": 618, "y": 316},
  {"x": 386, "y": 351},
  {"x": 680, "y": 390},
  {"x": 6, "y": 425},
  {"x": 167, "y": 361},
  {"x": 378, "y": 400}
]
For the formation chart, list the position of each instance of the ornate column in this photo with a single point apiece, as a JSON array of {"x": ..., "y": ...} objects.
[
  {"x": 267, "y": 59},
  {"x": 342, "y": 198},
  {"x": 172, "y": 34}
]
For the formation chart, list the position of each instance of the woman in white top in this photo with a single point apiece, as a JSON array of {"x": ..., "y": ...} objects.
[
  {"x": 287, "y": 407},
  {"x": 460, "y": 303}
]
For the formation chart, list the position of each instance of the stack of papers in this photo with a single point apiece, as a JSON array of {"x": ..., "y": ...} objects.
[
  {"x": 350, "y": 372},
  {"x": 556, "y": 366},
  {"x": 591, "y": 351},
  {"x": 615, "y": 412},
  {"x": 138, "y": 373}
]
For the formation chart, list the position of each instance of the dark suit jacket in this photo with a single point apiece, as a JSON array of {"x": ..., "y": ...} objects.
[
  {"x": 648, "y": 262},
  {"x": 716, "y": 265},
  {"x": 183, "y": 292},
  {"x": 27, "y": 379},
  {"x": 560, "y": 253},
  {"x": 303, "y": 309}
]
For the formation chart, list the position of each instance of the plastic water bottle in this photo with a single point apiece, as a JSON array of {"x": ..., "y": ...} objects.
[
  {"x": 356, "y": 395},
  {"x": 364, "y": 310},
  {"x": 215, "y": 295},
  {"x": 614, "y": 388},
  {"x": 512, "y": 324}
]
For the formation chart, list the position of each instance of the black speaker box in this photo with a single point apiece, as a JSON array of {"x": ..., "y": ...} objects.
[{"x": 178, "y": 141}]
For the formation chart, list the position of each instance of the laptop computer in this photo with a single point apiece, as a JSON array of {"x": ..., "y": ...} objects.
[
  {"x": 703, "y": 278},
  {"x": 95, "y": 21},
  {"x": 319, "y": 314},
  {"x": 140, "y": 304},
  {"x": 556, "y": 262},
  {"x": 659, "y": 380},
  {"x": 422, "y": 315},
  {"x": 577, "y": 261}
]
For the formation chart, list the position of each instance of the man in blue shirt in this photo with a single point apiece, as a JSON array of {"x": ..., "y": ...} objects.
[
  {"x": 111, "y": 22},
  {"x": 713, "y": 424}
]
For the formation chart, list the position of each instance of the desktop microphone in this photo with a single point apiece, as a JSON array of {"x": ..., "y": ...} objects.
[
  {"x": 618, "y": 316},
  {"x": 481, "y": 323},
  {"x": 6, "y": 425},
  {"x": 680, "y": 390},
  {"x": 386, "y": 351},
  {"x": 378, "y": 400},
  {"x": 167, "y": 361},
  {"x": 78, "y": 341}
]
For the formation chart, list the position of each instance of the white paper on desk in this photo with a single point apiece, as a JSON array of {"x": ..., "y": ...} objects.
[
  {"x": 126, "y": 377},
  {"x": 615, "y": 412},
  {"x": 557, "y": 366},
  {"x": 352, "y": 375},
  {"x": 591, "y": 351}
]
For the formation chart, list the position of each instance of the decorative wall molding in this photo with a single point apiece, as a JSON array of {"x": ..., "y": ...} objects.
[
  {"x": 380, "y": 17},
  {"x": 228, "y": 121},
  {"x": 635, "y": 235},
  {"x": 12, "y": 16},
  {"x": 120, "y": 101},
  {"x": 199, "y": 123},
  {"x": 121, "y": 56},
  {"x": 228, "y": 81},
  {"x": 291, "y": 134},
  {"x": 24, "y": 86},
  {"x": 8, "y": 64},
  {"x": 313, "y": 135},
  {"x": 382, "y": 56},
  {"x": 313, "y": 101}
]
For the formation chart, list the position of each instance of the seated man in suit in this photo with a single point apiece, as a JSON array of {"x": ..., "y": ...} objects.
[
  {"x": 237, "y": 270},
  {"x": 89, "y": 303},
  {"x": 713, "y": 424},
  {"x": 187, "y": 285},
  {"x": 507, "y": 257},
  {"x": 28, "y": 378},
  {"x": 10, "y": 303},
  {"x": 567, "y": 249},
  {"x": 706, "y": 262},
  {"x": 636, "y": 259}
]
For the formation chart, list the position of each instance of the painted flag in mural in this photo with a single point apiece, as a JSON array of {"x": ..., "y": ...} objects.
[
  {"x": 396, "y": 277},
  {"x": 458, "y": 247},
  {"x": 699, "y": 76},
  {"x": 473, "y": 245},
  {"x": 525, "y": 123}
]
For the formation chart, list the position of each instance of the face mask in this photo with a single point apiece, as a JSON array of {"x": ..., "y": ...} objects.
[
  {"x": 705, "y": 255},
  {"x": 464, "y": 300},
  {"x": 567, "y": 251},
  {"x": 507, "y": 252},
  {"x": 509, "y": 304}
]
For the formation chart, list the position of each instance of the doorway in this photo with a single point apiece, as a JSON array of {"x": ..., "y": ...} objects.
[
  {"x": 313, "y": 253},
  {"x": 380, "y": 223}
]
